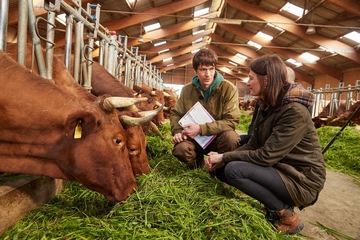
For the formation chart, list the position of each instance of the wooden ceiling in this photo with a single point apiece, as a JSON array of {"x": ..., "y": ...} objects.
[{"x": 228, "y": 28}]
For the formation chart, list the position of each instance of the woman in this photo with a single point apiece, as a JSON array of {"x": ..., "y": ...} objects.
[{"x": 282, "y": 165}]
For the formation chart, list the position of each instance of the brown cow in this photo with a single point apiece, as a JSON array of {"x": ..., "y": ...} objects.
[
  {"x": 45, "y": 130},
  {"x": 158, "y": 96},
  {"x": 170, "y": 101},
  {"x": 103, "y": 82},
  {"x": 65, "y": 81}
]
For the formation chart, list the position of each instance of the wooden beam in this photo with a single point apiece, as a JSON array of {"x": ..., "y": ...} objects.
[
  {"x": 290, "y": 26},
  {"x": 275, "y": 48},
  {"x": 164, "y": 32}
]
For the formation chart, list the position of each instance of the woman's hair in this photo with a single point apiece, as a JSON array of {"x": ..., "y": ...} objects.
[
  {"x": 272, "y": 67},
  {"x": 205, "y": 57}
]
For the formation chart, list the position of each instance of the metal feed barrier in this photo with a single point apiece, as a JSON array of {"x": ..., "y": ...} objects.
[
  {"x": 121, "y": 61},
  {"x": 334, "y": 97}
]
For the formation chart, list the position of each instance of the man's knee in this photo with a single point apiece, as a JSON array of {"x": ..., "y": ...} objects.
[
  {"x": 228, "y": 141},
  {"x": 185, "y": 152}
]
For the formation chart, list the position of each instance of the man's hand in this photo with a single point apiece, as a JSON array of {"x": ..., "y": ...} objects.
[
  {"x": 179, "y": 137},
  {"x": 191, "y": 130}
]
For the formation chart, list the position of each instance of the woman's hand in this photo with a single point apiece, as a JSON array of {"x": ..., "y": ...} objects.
[{"x": 214, "y": 161}]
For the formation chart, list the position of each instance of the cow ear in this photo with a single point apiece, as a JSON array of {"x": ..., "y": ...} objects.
[{"x": 80, "y": 124}]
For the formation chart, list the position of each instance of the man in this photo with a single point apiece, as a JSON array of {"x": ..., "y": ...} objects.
[
  {"x": 220, "y": 98},
  {"x": 244, "y": 138}
]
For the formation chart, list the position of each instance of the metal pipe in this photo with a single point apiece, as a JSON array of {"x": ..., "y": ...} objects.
[
  {"x": 36, "y": 41},
  {"x": 50, "y": 44},
  {"x": 4, "y": 11},
  {"x": 68, "y": 40},
  {"x": 22, "y": 32}
]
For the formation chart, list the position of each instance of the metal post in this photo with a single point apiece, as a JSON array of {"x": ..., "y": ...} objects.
[
  {"x": 4, "y": 11},
  {"x": 22, "y": 32},
  {"x": 68, "y": 40}
]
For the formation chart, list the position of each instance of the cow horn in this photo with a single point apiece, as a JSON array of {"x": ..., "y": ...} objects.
[
  {"x": 158, "y": 104},
  {"x": 145, "y": 117},
  {"x": 155, "y": 129},
  {"x": 152, "y": 112},
  {"x": 166, "y": 109},
  {"x": 166, "y": 94},
  {"x": 153, "y": 93},
  {"x": 117, "y": 102}
]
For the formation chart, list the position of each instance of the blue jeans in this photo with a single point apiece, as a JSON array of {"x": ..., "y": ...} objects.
[{"x": 261, "y": 183}]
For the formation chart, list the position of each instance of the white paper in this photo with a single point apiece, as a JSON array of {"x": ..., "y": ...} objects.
[{"x": 198, "y": 115}]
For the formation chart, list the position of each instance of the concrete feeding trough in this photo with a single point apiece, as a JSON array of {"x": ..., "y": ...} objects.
[{"x": 18, "y": 197}]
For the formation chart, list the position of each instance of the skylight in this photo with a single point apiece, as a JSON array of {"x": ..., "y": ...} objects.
[
  {"x": 197, "y": 40},
  {"x": 201, "y": 12},
  {"x": 239, "y": 55},
  {"x": 292, "y": 61},
  {"x": 274, "y": 26},
  {"x": 264, "y": 35},
  {"x": 355, "y": 36},
  {"x": 162, "y": 51},
  {"x": 159, "y": 43},
  {"x": 151, "y": 27},
  {"x": 169, "y": 65},
  {"x": 195, "y": 51},
  {"x": 167, "y": 59},
  {"x": 309, "y": 57},
  {"x": 293, "y": 9},
  {"x": 254, "y": 44},
  {"x": 327, "y": 50},
  {"x": 232, "y": 63},
  {"x": 197, "y": 32}
]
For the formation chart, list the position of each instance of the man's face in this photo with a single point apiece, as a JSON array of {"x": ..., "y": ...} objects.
[{"x": 205, "y": 75}]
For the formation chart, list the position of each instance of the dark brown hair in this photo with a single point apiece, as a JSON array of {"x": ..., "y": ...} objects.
[
  {"x": 204, "y": 57},
  {"x": 274, "y": 69}
]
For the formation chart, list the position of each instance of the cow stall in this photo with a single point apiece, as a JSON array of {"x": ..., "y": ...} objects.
[{"x": 91, "y": 41}]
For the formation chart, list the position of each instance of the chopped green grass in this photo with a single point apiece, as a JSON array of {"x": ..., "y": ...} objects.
[{"x": 169, "y": 203}]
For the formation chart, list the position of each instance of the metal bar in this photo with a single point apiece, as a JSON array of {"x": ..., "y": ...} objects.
[
  {"x": 4, "y": 11},
  {"x": 22, "y": 32}
]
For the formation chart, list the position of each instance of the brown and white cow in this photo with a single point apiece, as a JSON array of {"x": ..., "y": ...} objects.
[{"x": 45, "y": 130}]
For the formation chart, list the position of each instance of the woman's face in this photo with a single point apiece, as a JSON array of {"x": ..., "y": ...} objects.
[{"x": 253, "y": 84}]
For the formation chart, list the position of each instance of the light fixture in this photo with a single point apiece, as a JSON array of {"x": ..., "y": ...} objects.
[
  {"x": 310, "y": 30},
  {"x": 140, "y": 38}
]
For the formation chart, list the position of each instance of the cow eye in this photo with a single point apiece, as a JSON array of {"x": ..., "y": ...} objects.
[{"x": 118, "y": 141}]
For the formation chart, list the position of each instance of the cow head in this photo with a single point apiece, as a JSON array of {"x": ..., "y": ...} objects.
[{"x": 44, "y": 143}]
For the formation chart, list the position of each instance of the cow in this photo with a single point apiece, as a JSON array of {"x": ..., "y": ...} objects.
[
  {"x": 136, "y": 145},
  {"x": 103, "y": 82},
  {"x": 45, "y": 130},
  {"x": 158, "y": 96},
  {"x": 170, "y": 101}
]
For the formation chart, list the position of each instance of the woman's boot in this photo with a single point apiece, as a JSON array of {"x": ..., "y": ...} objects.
[{"x": 288, "y": 221}]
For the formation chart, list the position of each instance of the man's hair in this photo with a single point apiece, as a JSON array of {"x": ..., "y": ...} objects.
[
  {"x": 204, "y": 57},
  {"x": 274, "y": 69}
]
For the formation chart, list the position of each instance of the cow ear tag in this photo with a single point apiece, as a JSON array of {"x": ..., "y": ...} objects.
[{"x": 78, "y": 131}]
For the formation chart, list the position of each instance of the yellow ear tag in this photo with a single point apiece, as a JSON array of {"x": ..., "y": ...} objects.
[{"x": 78, "y": 131}]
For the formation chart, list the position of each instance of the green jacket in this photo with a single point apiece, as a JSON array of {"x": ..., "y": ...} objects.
[
  {"x": 287, "y": 140},
  {"x": 222, "y": 104}
]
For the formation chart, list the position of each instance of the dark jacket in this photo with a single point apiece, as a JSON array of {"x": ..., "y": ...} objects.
[
  {"x": 287, "y": 140},
  {"x": 222, "y": 104}
]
